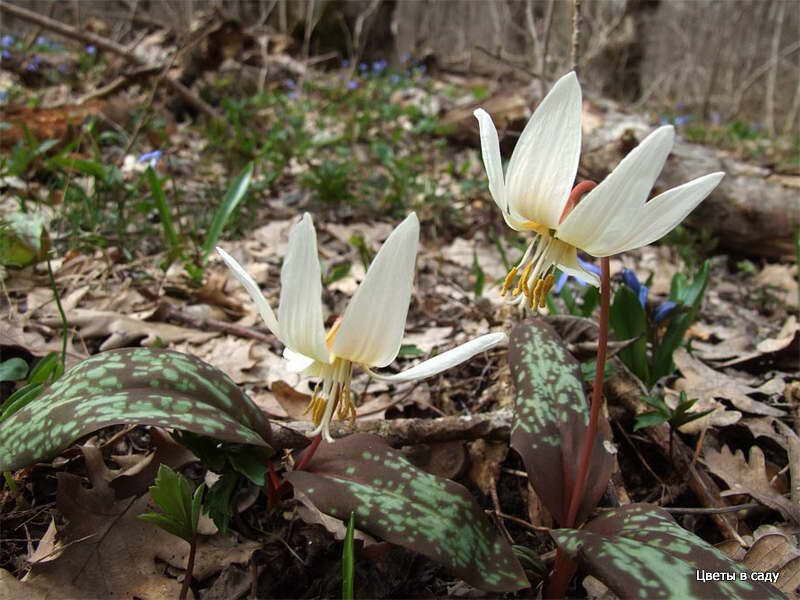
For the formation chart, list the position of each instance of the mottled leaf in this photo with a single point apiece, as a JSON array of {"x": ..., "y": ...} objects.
[
  {"x": 408, "y": 507},
  {"x": 133, "y": 385},
  {"x": 639, "y": 551},
  {"x": 550, "y": 418}
]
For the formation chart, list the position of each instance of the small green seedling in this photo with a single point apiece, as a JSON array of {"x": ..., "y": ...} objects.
[
  {"x": 664, "y": 414},
  {"x": 172, "y": 492}
]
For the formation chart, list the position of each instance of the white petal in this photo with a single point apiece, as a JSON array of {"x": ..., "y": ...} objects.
[
  {"x": 373, "y": 324},
  {"x": 445, "y": 360},
  {"x": 300, "y": 310},
  {"x": 297, "y": 362},
  {"x": 544, "y": 163},
  {"x": 255, "y": 293},
  {"x": 490, "y": 150},
  {"x": 570, "y": 265},
  {"x": 664, "y": 212},
  {"x": 606, "y": 215}
]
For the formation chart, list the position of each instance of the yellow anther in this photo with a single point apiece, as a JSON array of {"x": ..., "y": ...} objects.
[
  {"x": 522, "y": 284},
  {"x": 509, "y": 280},
  {"x": 534, "y": 297},
  {"x": 319, "y": 411},
  {"x": 331, "y": 335},
  {"x": 546, "y": 286}
]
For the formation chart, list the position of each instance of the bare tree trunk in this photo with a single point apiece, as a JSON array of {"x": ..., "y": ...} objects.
[
  {"x": 791, "y": 117},
  {"x": 772, "y": 77}
]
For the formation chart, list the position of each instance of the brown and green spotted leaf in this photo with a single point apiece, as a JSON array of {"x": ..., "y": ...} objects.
[
  {"x": 550, "y": 418},
  {"x": 145, "y": 386},
  {"x": 639, "y": 551},
  {"x": 411, "y": 508}
]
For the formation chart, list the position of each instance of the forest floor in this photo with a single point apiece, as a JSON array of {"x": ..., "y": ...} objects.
[{"x": 359, "y": 147}]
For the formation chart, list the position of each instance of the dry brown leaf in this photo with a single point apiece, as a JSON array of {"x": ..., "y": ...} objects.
[
  {"x": 443, "y": 459},
  {"x": 112, "y": 553},
  {"x": 122, "y": 330},
  {"x": 776, "y": 553},
  {"x": 720, "y": 417},
  {"x": 292, "y": 401},
  {"x": 700, "y": 381},
  {"x": 781, "y": 278},
  {"x": 749, "y": 477},
  {"x": 485, "y": 460},
  {"x": 311, "y": 514},
  {"x": 11, "y": 588}
]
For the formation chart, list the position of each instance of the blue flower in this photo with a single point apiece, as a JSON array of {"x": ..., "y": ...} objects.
[
  {"x": 379, "y": 66},
  {"x": 630, "y": 279},
  {"x": 5, "y": 54},
  {"x": 664, "y": 310},
  {"x": 682, "y": 120},
  {"x": 564, "y": 277},
  {"x": 291, "y": 95},
  {"x": 345, "y": 63},
  {"x": 62, "y": 67},
  {"x": 7, "y": 40},
  {"x": 91, "y": 50},
  {"x": 151, "y": 157},
  {"x": 3, "y": 95},
  {"x": 362, "y": 67},
  {"x": 34, "y": 64},
  {"x": 352, "y": 84},
  {"x": 395, "y": 78},
  {"x": 42, "y": 41},
  {"x": 291, "y": 84}
]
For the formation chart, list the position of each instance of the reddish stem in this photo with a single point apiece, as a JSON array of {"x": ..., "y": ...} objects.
[
  {"x": 309, "y": 453},
  {"x": 565, "y": 567},
  {"x": 187, "y": 579}
]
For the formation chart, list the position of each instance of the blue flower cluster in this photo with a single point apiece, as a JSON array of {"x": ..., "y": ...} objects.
[{"x": 662, "y": 311}]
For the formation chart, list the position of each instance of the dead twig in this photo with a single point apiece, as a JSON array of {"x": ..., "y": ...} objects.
[{"x": 104, "y": 44}]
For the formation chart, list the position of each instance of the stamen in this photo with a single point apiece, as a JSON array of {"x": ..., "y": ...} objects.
[
  {"x": 522, "y": 283},
  {"x": 509, "y": 280}
]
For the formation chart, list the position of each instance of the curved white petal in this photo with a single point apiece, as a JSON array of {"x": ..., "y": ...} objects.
[
  {"x": 264, "y": 309},
  {"x": 569, "y": 264},
  {"x": 445, "y": 360},
  {"x": 300, "y": 310},
  {"x": 490, "y": 150},
  {"x": 542, "y": 168},
  {"x": 607, "y": 213},
  {"x": 297, "y": 362},
  {"x": 373, "y": 324},
  {"x": 664, "y": 212}
]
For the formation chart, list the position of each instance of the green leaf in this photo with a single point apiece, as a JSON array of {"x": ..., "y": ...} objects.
[
  {"x": 406, "y": 506},
  {"x": 591, "y": 298},
  {"x": 480, "y": 276},
  {"x": 172, "y": 492},
  {"x": 639, "y": 551},
  {"x": 348, "y": 562},
  {"x": 648, "y": 419},
  {"x": 20, "y": 398},
  {"x": 550, "y": 418},
  {"x": 92, "y": 168},
  {"x": 50, "y": 367},
  {"x": 233, "y": 197},
  {"x": 250, "y": 462},
  {"x": 145, "y": 386},
  {"x": 160, "y": 200},
  {"x": 13, "y": 369},
  {"x": 628, "y": 320},
  {"x": 688, "y": 295},
  {"x": 23, "y": 239},
  {"x": 336, "y": 273},
  {"x": 218, "y": 500}
]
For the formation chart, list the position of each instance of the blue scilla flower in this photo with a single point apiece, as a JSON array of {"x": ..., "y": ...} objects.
[
  {"x": 352, "y": 84},
  {"x": 291, "y": 84},
  {"x": 3, "y": 95},
  {"x": 395, "y": 78},
  {"x": 682, "y": 120},
  {"x": 630, "y": 279},
  {"x": 562, "y": 280},
  {"x": 379, "y": 66},
  {"x": 345, "y": 63},
  {"x": 363, "y": 66},
  {"x": 42, "y": 41},
  {"x": 5, "y": 54},
  {"x": 664, "y": 310},
  {"x": 91, "y": 50},
  {"x": 7, "y": 40},
  {"x": 151, "y": 157},
  {"x": 34, "y": 64}
]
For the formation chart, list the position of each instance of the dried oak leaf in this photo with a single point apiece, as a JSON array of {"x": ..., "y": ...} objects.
[
  {"x": 700, "y": 381},
  {"x": 109, "y": 551},
  {"x": 749, "y": 477}
]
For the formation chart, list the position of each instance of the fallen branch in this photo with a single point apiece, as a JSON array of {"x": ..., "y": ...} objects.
[
  {"x": 406, "y": 432},
  {"x": 104, "y": 44}
]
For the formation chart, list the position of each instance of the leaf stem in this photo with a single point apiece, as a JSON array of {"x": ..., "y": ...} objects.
[{"x": 187, "y": 580}]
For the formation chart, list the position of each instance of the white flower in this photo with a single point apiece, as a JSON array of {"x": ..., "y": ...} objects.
[
  {"x": 613, "y": 217},
  {"x": 369, "y": 333}
]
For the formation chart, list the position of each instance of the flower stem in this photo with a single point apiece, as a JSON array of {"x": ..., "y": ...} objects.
[
  {"x": 564, "y": 566},
  {"x": 309, "y": 453}
]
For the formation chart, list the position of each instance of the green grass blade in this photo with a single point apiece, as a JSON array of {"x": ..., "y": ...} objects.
[
  {"x": 163, "y": 209},
  {"x": 233, "y": 196}
]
